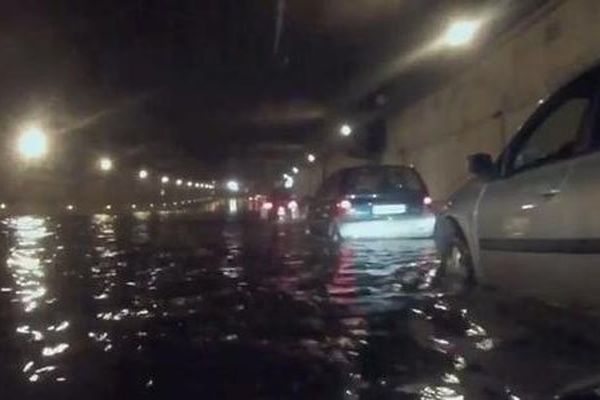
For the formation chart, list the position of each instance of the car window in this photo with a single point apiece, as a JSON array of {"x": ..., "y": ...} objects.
[
  {"x": 404, "y": 178},
  {"x": 365, "y": 181},
  {"x": 556, "y": 137},
  {"x": 559, "y": 134},
  {"x": 376, "y": 180}
]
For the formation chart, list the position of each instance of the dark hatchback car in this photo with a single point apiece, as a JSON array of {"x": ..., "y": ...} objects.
[{"x": 372, "y": 202}]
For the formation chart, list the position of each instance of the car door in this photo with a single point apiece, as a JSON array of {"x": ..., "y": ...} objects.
[
  {"x": 521, "y": 218},
  {"x": 580, "y": 241}
]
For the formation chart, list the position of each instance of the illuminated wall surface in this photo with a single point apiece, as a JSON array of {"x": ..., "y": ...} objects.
[{"x": 480, "y": 109}]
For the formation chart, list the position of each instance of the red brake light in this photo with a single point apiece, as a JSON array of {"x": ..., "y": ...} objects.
[
  {"x": 292, "y": 205},
  {"x": 267, "y": 205},
  {"x": 344, "y": 206},
  {"x": 427, "y": 201}
]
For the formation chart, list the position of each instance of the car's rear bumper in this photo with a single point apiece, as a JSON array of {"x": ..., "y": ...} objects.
[{"x": 418, "y": 226}]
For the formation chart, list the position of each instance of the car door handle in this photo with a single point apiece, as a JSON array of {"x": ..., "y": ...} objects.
[{"x": 550, "y": 193}]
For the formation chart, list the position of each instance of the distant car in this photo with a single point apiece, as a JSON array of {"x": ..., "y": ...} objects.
[
  {"x": 531, "y": 220},
  {"x": 372, "y": 202},
  {"x": 281, "y": 205}
]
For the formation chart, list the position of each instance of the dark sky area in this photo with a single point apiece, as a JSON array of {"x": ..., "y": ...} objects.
[{"x": 201, "y": 77}]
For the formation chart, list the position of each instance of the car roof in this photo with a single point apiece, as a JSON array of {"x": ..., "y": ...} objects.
[{"x": 386, "y": 166}]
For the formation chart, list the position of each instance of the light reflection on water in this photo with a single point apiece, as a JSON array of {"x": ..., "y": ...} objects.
[
  {"x": 29, "y": 259},
  {"x": 156, "y": 306}
]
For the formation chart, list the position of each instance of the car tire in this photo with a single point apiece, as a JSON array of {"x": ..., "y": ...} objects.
[{"x": 456, "y": 270}]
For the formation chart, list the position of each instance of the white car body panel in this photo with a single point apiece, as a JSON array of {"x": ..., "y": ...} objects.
[
  {"x": 496, "y": 210},
  {"x": 534, "y": 225}
]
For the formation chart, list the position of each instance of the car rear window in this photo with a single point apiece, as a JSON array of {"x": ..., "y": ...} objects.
[{"x": 377, "y": 180}]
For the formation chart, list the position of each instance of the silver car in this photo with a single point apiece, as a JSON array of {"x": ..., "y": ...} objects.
[{"x": 530, "y": 220}]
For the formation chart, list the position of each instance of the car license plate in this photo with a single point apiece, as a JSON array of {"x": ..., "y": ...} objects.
[{"x": 386, "y": 209}]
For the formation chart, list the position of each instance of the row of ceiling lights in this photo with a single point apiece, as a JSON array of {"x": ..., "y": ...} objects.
[
  {"x": 106, "y": 165},
  {"x": 135, "y": 206},
  {"x": 288, "y": 179},
  {"x": 33, "y": 145}
]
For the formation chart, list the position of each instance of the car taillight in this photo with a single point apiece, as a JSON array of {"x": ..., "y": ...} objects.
[
  {"x": 292, "y": 205},
  {"x": 267, "y": 205},
  {"x": 427, "y": 204},
  {"x": 344, "y": 206}
]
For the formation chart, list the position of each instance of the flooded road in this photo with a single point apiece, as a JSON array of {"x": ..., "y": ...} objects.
[{"x": 177, "y": 306}]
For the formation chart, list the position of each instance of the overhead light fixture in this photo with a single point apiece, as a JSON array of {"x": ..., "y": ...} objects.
[
  {"x": 33, "y": 143},
  {"x": 460, "y": 33},
  {"x": 346, "y": 130},
  {"x": 143, "y": 174},
  {"x": 288, "y": 182},
  {"x": 105, "y": 164},
  {"x": 233, "y": 186}
]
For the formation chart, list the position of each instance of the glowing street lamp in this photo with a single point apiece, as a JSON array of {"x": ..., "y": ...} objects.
[
  {"x": 311, "y": 158},
  {"x": 164, "y": 180},
  {"x": 32, "y": 144},
  {"x": 346, "y": 130},
  {"x": 190, "y": 184},
  {"x": 179, "y": 182},
  {"x": 295, "y": 170},
  {"x": 288, "y": 182},
  {"x": 105, "y": 164},
  {"x": 461, "y": 33},
  {"x": 233, "y": 186},
  {"x": 143, "y": 174},
  {"x": 196, "y": 185}
]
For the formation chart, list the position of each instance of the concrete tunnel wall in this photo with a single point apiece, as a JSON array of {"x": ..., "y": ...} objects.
[{"x": 482, "y": 107}]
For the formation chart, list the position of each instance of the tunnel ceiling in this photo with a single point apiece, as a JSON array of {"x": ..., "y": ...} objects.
[{"x": 208, "y": 76}]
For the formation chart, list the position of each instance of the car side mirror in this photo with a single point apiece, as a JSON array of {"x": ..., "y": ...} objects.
[{"x": 482, "y": 165}]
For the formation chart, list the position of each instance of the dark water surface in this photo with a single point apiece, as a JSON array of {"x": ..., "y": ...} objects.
[{"x": 197, "y": 307}]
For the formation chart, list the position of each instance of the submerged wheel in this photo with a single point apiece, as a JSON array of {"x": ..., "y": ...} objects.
[{"x": 456, "y": 269}]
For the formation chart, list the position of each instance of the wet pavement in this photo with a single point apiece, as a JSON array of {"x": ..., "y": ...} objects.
[{"x": 182, "y": 306}]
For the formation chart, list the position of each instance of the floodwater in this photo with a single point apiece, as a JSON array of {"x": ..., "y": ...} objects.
[{"x": 184, "y": 306}]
